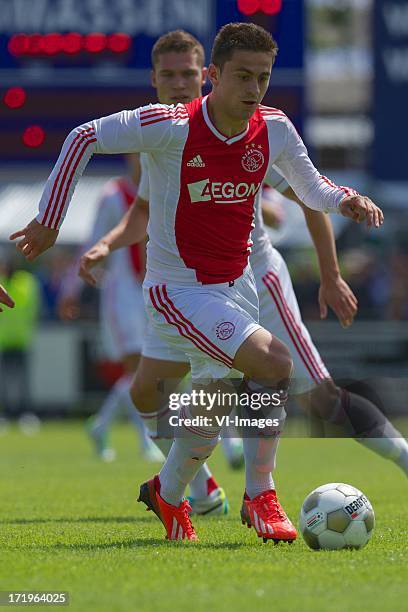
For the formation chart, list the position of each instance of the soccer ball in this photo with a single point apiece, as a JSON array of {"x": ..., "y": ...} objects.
[{"x": 335, "y": 516}]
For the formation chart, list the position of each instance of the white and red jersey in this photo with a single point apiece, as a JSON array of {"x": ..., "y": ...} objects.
[
  {"x": 144, "y": 184},
  {"x": 261, "y": 242},
  {"x": 203, "y": 184}
]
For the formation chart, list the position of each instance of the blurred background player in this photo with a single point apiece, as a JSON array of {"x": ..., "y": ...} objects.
[{"x": 122, "y": 314}]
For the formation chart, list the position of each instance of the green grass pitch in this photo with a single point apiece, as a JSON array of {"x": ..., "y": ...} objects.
[{"x": 70, "y": 523}]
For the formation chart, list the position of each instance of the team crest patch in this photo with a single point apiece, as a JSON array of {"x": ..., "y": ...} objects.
[
  {"x": 224, "y": 330},
  {"x": 253, "y": 158}
]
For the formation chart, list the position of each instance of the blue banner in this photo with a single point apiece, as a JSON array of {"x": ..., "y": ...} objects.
[{"x": 390, "y": 99}]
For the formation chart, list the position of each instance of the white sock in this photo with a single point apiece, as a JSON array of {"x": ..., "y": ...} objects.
[
  {"x": 260, "y": 461},
  {"x": 199, "y": 484},
  {"x": 379, "y": 434},
  {"x": 111, "y": 405},
  {"x": 261, "y": 444},
  {"x": 150, "y": 421},
  {"x": 135, "y": 418},
  {"x": 188, "y": 454},
  {"x": 389, "y": 447}
]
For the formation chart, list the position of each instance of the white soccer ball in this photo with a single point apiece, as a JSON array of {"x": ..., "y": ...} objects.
[{"x": 335, "y": 516}]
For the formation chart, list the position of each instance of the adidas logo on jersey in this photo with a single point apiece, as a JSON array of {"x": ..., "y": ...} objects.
[{"x": 196, "y": 162}]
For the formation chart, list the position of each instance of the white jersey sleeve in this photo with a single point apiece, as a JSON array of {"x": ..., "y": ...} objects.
[
  {"x": 143, "y": 188},
  {"x": 313, "y": 189},
  {"x": 275, "y": 179},
  {"x": 148, "y": 128}
]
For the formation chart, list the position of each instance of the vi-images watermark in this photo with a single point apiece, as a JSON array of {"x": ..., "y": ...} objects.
[{"x": 217, "y": 400}]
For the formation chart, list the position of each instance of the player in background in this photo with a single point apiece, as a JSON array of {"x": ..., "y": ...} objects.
[
  {"x": 122, "y": 313},
  {"x": 312, "y": 385},
  {"x": 5, "y": 299},
  {"x": 199, "y": 289}
]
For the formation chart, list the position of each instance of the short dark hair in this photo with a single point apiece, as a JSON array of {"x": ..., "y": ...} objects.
[
  {"x": 241, "y": 37},
  {"x": 178, "y": 41}
]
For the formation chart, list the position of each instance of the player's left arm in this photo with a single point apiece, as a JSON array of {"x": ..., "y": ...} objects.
[
  {"x": 316, "y": 191},
  {"x": 334, "y": 291},
  {"x": 5, "y": 298}
]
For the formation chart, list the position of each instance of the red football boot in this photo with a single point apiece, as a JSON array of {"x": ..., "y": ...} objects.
[
  {"x": 176, "y": 520},
  {"x": 267, "y": 516}
]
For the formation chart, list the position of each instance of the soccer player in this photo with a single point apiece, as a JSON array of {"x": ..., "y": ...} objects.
[
  {"x": 5, "y": 299},
  {"x": 199, "y": 290},
  {"x": 122, "y": 313}
]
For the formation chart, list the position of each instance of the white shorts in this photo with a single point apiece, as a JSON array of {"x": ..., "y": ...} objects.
[
  {"x": 123, "y": 317},
  {"x": 156, "y": 347},
  {"x": 279, "y": 313},
  {"x": 207, "y": 323}
]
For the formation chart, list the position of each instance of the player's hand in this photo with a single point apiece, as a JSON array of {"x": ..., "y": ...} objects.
[
  {"x": 93, "y": 256},
  {"x": 35, "y": 239},
  {"x": 360, "y": 208},
  {"x": 68, "y": 308},
  {"x": 338, "y": 295},
  {"x": 5, "y": 299}
]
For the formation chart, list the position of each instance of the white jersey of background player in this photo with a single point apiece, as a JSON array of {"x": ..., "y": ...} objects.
[{"x": 122, "y": 313}]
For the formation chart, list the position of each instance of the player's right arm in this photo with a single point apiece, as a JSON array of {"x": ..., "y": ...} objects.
[
  {"x": 5, "y": 298},
  {"x": 144, "y": 129}
]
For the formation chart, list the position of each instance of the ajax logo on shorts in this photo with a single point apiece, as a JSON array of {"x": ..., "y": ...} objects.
[
  {"x": 224, "y": 330},
  {"x": 253, "y": 158}
]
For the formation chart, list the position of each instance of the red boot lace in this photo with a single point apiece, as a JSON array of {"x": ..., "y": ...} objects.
[
  {"x": 268, "y": 507},
  {"x": 183, "y": 518}
]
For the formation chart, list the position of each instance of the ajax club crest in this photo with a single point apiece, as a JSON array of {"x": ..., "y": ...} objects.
[
  {"x": 253, "y": 159},
  {"x": 224, "y": 330}
]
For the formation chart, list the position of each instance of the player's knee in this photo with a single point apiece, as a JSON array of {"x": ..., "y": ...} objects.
[{"x": 270, "y": 362}]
